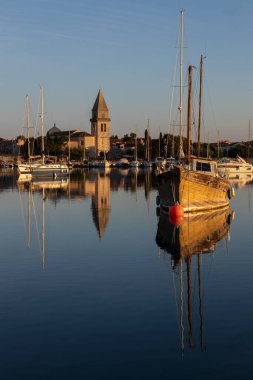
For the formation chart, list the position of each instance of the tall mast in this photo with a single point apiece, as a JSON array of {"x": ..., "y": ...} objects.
[
  {"x": 249, "y": 140},
  {"x": 159, "y": 144},
  {"x": 147, "y": 148},
  {"x": 69, "y": 147},
  {"x": 42, "y": 124},
  {"x": 28, "y": 126},
  {"x": 200, "y": 101},
  {"x": 189, "y": 114},
  {"x": 181, "y": 83}
]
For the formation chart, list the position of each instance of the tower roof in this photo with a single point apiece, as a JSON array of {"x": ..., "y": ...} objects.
[{"x": 100, "y": 106}]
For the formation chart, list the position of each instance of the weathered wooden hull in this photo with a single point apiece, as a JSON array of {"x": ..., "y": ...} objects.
[
  {"x": 194, "y": 191},
  {"x": 197, "y": 234}
]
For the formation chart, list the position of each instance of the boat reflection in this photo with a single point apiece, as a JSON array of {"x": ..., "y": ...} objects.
[
  {"x": 187, "y": 241},
  {"x": 196, "y": 234},
  {"x": 240, "y": 180}
]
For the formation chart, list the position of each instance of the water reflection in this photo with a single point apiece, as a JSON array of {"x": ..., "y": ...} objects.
[
  {"x": 95, "y": 184},
  {"x": 187, "y": 242},
  {"x": 197, "y": 234}
]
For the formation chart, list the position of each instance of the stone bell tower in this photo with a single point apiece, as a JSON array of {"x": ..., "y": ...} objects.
[{"x": 100, "y": 125}]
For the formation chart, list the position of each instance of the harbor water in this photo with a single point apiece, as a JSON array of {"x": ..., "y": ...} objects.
[{"x": 96, "y": 283}]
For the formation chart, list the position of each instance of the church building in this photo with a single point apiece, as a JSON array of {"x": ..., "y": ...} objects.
[
  {"x": 95, "y": 144},
  {"x": 100, "y": 125}
]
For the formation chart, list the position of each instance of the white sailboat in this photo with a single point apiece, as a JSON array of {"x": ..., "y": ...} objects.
[
  {"x": 44, "y": 169},
  {"x": 40, "y": 169}
]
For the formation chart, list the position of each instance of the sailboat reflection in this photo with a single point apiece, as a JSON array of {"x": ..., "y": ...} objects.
[
  {"x": 195, "y": 236},
  {"x": 29, "y": 185}
]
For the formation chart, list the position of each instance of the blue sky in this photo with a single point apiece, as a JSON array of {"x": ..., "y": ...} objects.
[{"x": 128, "y": 48}]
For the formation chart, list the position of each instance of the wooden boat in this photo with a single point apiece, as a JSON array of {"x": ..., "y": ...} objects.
[
  {"x": 193, "y": 189},
  {"x": 196, "y": 185}
]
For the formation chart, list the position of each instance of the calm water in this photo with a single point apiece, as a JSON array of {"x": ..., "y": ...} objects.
[{"x": 92, "y": 285}]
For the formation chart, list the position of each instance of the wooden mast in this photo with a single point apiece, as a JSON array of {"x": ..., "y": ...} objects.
[
  {"x": 200, "y": 101},
  {"x": 189, "y": 113},
  {"x": 181, "y": 84}
]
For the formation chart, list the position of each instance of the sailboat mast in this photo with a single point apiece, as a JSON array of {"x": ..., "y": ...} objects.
[
  {"x": 69, "y": 148},
  {"x": 147, "y": 147},
  {"x": 200, "y": 101},
  {"x": 249, "y": 140},
  {"x": 28, "y": 126},
  {"x": 189, "y": 114},
  {"x": 42, "y": 124},
  {"x": 181, "y": 83}
]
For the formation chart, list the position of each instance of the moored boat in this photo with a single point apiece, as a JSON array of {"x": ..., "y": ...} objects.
[
  {"x": 196, "y": 187},
  {"x": 41, "y": 168},
  {"x": 238, "y": 165}
]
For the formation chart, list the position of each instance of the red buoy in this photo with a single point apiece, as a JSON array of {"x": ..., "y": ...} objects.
[
  {"x": 177, "y": 220},
  {"x": 176, "y": 211},
  {"x": 176, "y": 214}
]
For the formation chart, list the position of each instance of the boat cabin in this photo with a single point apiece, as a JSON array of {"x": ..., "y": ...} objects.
[{"x": 204, "y": 166}]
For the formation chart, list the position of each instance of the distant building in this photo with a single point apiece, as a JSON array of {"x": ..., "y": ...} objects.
[
  {"x": 84, "y": 141},
  {"x": 52, "y": 131},
  {"x": 100, "y": 125},
  {"x": 94, "y": 143}
]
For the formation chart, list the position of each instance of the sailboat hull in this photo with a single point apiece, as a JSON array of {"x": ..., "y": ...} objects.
[
  {"x": 46, "y": 170},
  {"x": 50, "y": 170},
  {"x": 194, "y": 191}
]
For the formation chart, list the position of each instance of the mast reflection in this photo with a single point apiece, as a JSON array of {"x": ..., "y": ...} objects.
[{"x": 187, "y": 241}]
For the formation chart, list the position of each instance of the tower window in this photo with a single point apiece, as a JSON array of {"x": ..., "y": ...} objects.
[{"x": 103, "y": 127}]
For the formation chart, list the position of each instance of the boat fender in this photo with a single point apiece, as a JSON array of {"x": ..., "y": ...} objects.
[
  {"x": 231, "y": 193},
  {"x": 158, "y": 200}
]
